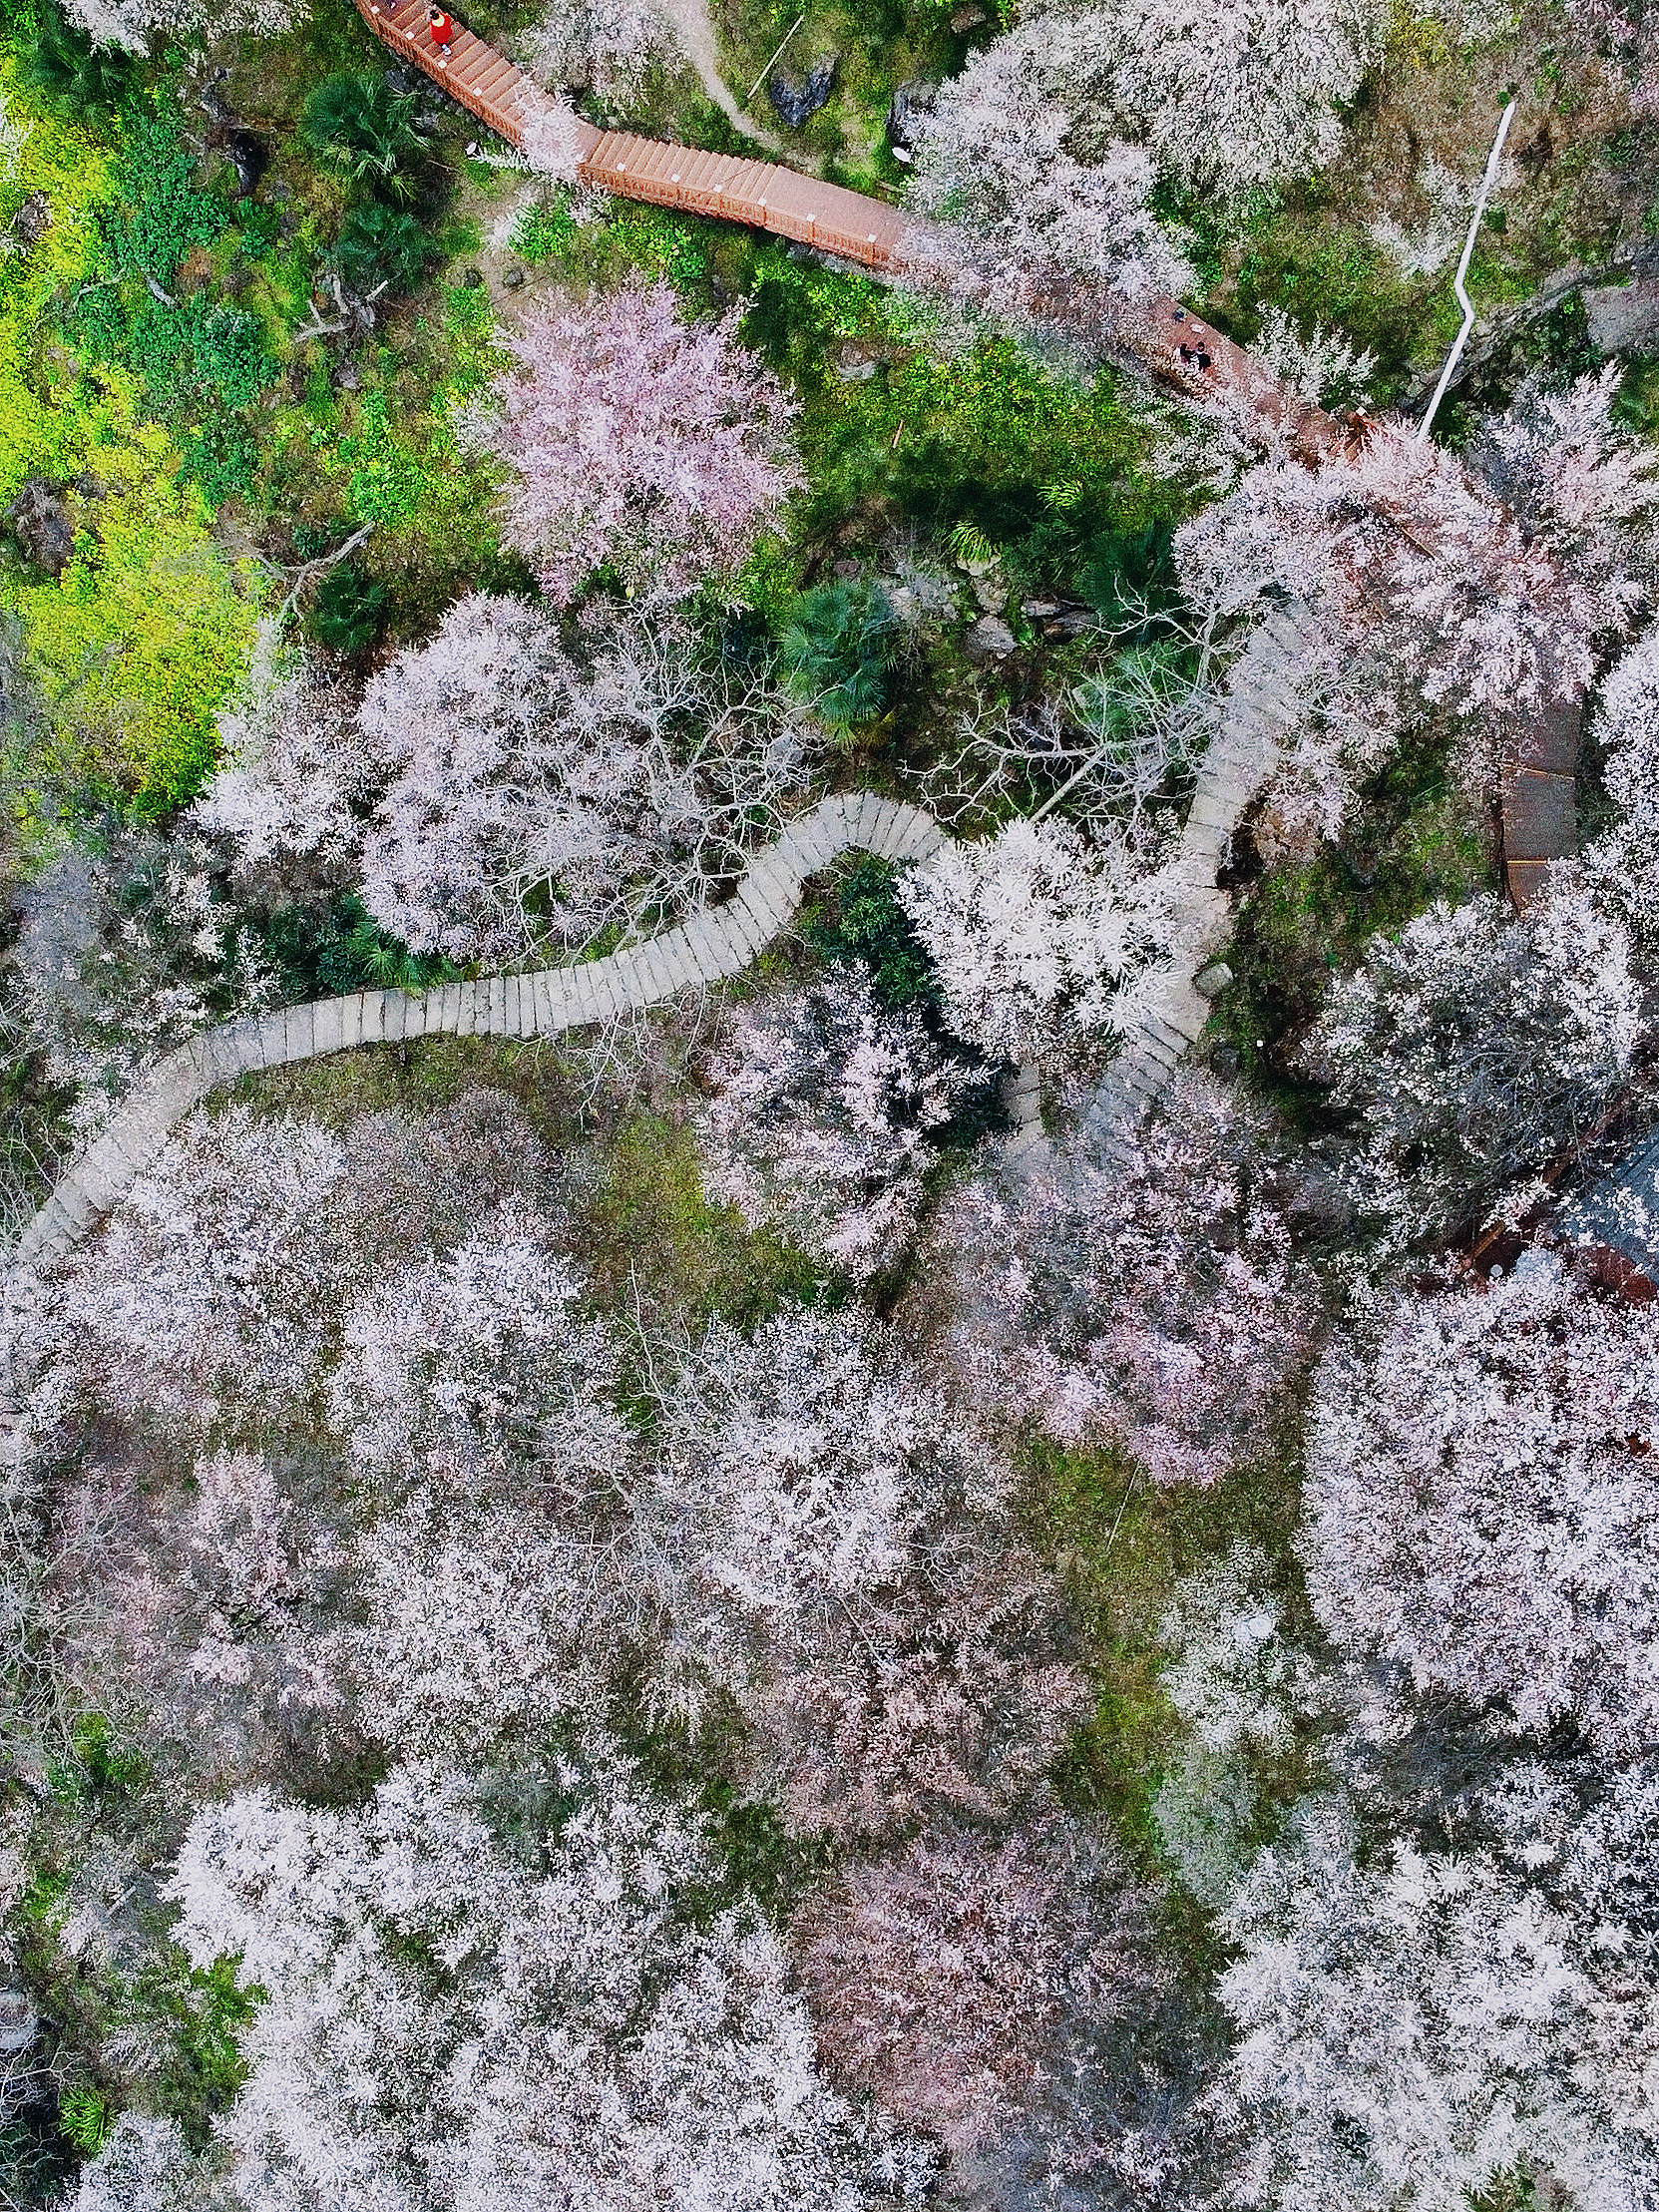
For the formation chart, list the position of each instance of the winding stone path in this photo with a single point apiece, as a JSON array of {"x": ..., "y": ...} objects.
[
  {"x": 548, "y": 1002},
  {"x": 1259, "y": 707},
  {"x": 1259, "y": 704}
]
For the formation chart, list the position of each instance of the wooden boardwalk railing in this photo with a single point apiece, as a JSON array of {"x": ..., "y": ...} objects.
[
  {"x": 1540, "y": 812},
  {"x": 763, "y": 193}
]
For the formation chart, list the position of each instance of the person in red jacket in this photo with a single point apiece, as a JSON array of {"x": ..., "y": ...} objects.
[{"x": 442, "y": 26}]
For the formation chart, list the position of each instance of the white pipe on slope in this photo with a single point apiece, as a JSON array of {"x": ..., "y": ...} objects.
[{"x": 1464, "y": 300}]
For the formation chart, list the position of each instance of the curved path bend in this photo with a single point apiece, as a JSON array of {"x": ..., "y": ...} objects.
[
  {"x": 1257, "y": 707},
  {"x": 547, "y": 1002}
]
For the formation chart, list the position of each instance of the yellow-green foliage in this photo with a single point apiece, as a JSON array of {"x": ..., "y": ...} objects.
[
  {"x": 47, "y": 415},
  {"x": 140, "y": 640}
]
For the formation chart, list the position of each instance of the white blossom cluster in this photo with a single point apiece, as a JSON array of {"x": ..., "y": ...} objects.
[
  {"x": 821, "y": 1124},
  {"x": 1039, "y": 940}
]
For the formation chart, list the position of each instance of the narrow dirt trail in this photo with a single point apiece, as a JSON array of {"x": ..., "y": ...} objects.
[{"x": 693, "y": 26}]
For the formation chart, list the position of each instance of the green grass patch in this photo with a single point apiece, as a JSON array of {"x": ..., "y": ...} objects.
[
  {"x": 651, "y": 1230},
  {"x": 1123, "y": 1542},
  {"x": 1411, "y": 839}
]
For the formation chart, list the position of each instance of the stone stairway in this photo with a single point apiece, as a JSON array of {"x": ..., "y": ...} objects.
[
  {"x": 1259, "y": 707},
  {"x": 715, "y": 944}
]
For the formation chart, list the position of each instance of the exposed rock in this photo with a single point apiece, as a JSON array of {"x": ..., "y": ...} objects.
[
  {"x": 854, "y": 366},
  {"x": 41, "y": 523},
  {"x": 32, "y": 220},
  {"x": 968, "y": 19},
  {"x": 1038, "y": 609},
  {"x": 1210, "y": 982},
  {"x": 17, "y": 2019},
  {"x": 798, "y": 98},
  {"x": 1312, "y": 1201},
  {"x": 990, "y": 639},
  {"x": 907, "y": 118},
  {"x": 991, "y": 593},
  {"x": 513, "y": 279},
  {"x": 1623, "y": 315},
  {"x": 249, "y": 158},
  {"x": 1226, "y": 1061}
]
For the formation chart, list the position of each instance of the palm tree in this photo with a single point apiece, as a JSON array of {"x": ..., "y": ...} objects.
[{"x": 365, "y": 130}]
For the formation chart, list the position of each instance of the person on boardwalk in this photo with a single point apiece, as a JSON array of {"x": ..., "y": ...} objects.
[{"x": 442, "y": 26}]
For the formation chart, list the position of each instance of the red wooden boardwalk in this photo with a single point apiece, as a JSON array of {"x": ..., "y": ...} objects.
[{"x": 1540, "y": 798}]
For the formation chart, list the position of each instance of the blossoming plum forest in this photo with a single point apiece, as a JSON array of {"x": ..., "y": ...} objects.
[{"x": 829, "y": 1146}]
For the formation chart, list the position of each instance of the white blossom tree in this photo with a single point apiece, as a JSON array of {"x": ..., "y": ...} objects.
[
  {"x": 207, "y": 1290},
  {"x": 821, "y": 1122},
  {"x": 831, "y": 1548},
  {"x": 1621, "y": 863},
  {"x": 1022, "y": 221},
  {"x": 146, "y": 2166},
  {"x": 134, "y": 23},
  {"x": 478, "y": 1407},
  {"x": 528, "y": 796},
  {"x": 1417, "y": 2025},
  {"x": 453, "y": 2023},
  {"x": 640, "y": 442},
  {"x": 296, "y": 770},
  {"x": 130, "y": 945},
  {"x": 1040, "y": 940},
  {"x": 1484, "y": 1501},
  {"x": 1245, "y": 92},
  {"x": 609, "y": 46},
  {"x": 1472, "y": 1048}
]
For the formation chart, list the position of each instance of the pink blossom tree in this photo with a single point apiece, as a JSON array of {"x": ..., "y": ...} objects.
[
  {"x": 640, "y": 442},
  {"x": 1489, "y": 595},
  {"x": 946, "y": 1978},
  {"x": 1164, "y": 1309},
  {"x": 824, "y": 1107}
]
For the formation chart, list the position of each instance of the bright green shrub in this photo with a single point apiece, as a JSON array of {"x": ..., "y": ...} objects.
[
  {"x": 85, "y": 2116},
  {"x": 49, "y": 414},
  {"x": 161, "y": 214},
  {"x": 839, "y": 650}
]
